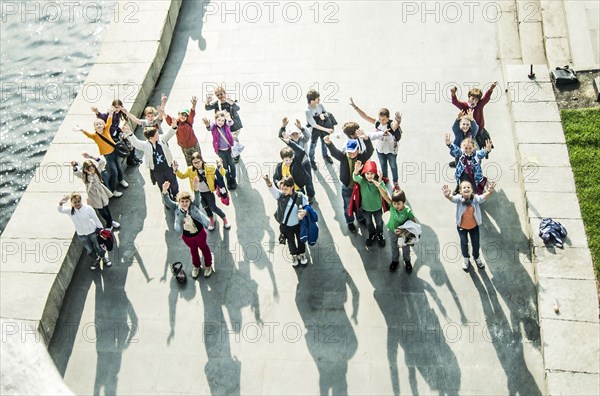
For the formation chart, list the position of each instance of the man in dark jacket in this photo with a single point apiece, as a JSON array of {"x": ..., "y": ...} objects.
[{"x": 347, "y": 160}]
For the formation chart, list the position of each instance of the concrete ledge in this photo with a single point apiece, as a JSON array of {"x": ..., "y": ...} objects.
[
  {"x": 543, "y": 131},
  {"x": 570, "y": 383},
  {"x": 545, "y": 154},
  {"x": 564, "y": 277},
  {"x": 571, "y": 345},
  {"x": 582, "y": 51},
  {"x": 41, "y": 258}
]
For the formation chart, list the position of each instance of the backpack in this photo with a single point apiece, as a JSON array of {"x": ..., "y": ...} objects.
[
  {"x": 178, "y": 272},
  {"x": 564, "y": 76},
  {"x": 105, "y": 239}
]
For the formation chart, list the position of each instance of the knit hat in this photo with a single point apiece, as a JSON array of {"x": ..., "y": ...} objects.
[
  {"x": 352, "y": 146},
  {"x": 369, "y": 166},
  {"x": 184, "y": 111}
]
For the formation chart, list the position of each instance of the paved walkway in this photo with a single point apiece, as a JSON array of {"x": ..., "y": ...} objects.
[{"x": 343, "y": 324}]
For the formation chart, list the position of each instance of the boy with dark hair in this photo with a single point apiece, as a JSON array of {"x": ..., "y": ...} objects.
[
  {"x": 157, "y": 156},
  {"x": 347, "y": 159},
  {"x": 186, "y": 138},
  {"x": 298, "y": 137},
  {"x": 320, "y": 123},
  {"x": 400, "y": 213},
  {"x": 476, "y": 101}
]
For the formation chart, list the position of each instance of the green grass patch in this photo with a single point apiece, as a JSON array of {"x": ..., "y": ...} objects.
[{"x": 582, "y": 132}]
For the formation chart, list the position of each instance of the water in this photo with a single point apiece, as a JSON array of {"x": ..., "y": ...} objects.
[{"x": 47, "y": 50}]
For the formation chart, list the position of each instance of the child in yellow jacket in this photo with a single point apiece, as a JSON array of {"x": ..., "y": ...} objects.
[{"x": 207, "y": 174}]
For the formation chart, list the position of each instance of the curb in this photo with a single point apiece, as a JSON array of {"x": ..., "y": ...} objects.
[
  {"x": 41, "y": 261},
  {"x": 563, "y": 277}
]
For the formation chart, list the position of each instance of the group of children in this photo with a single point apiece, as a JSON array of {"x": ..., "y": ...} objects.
[{"x": 364, "y": 187}]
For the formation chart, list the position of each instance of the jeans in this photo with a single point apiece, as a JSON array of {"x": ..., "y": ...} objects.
[
  {"x": 91, "y": 245},
  {"x": 105, "y": 213},
  {"x": 228, "y": 164},
  {"x": 162, "y": 176},
  {"x": 113, "y": 163},
  {"x": 294, "y": 243},
  {"x": 346, "y": 195},
  {"x": 396, "y": 250},
  {"x": 374, "y": 221},
  {"x": 464, "y": 242},
  {"x": 210, "y": 205},
  {"x": 313, "y": 146},
  {"x": 196, "y": 242},
  {"x": 383, "y": 160},
  {"x": 310, "y": 187}
]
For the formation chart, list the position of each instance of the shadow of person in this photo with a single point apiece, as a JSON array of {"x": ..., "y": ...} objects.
[
  {"x": 412, "y": 323},
  {"x": 66, "y": 331},
  {"x": 115, "y": 324},
  {"x": 222, "y": 370},
  {"x": 506, "y": 249},
  {"x": 251, "y": 230},
  {"x": 320, "y": 297},
  {"x": 188, "y": 27},
  {"x": 506, "y": 339},
  {"x": 427, "y": 252}
]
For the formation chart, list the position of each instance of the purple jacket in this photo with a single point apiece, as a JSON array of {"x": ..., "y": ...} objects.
[{"x": 216, "y": 135}]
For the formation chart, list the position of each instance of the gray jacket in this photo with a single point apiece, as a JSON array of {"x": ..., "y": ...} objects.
[{"x": 195, "y": 212}]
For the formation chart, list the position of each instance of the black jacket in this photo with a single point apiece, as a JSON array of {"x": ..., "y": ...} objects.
[
  {"x": 296, "y": 169},
  {"x": 345, "y": 173}
]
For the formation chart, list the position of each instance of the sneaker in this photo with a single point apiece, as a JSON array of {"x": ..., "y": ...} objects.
[
  {"x": 115, "y": 224},
  {"x": 452, "y": 164},
  {"x": 370, "y": 240},
  {"x": 236, "y": 159},
  {"x": 479, "y": 263},
  {"x": 117, "y": 194},
  {"x": 226, "y": 224},
  {"x": 396, "y": 186},
  {"x": 208, "y": 272},
  {"x": 328, "y": 160},
  {"x": 393, "y": 266},
  {"x": 380, "y": 240},
  {"x": 303, "y": 259},
  {"x": 106, "y": 261},
  {"x": 311, "y": 200},
  {"x": 466, "y": 264},
  {"x": 95, "y": 263},
  {"x": 385, "y": 180},
  {"x": 211, "y": 225},
  {"x": 124, "y": 183},
  {"x": 408, "y": 266},
  {"x": 313, "y": 165},
  {"x": 352, "y": 228},
  {"x": 294, "y": 260},
  {"x": 195, "y": 272}
]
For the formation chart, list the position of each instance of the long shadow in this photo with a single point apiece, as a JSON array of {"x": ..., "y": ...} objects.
[
  {"x": 189, "y": 27},
  {"x": 116, "y": 324},
  {"x": 503, "y": 246},
  {"x": 115, "y": 321},
  {"x": 320, "y": 297},
  {"x": 412, "y": 324},
  {"x": 251, "y": 230},
  {"x": 68, "y": 323},
  {"x": 176, "y": 251}
]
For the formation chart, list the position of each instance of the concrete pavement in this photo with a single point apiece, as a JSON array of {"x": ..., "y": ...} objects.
[{"x": 343, "y": 324}]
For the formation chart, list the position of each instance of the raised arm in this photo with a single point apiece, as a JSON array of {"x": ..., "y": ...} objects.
[{"x": 361, "y": 113}]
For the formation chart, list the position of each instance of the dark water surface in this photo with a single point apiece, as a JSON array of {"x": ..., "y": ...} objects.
[{"x": 47, "y": 50}]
